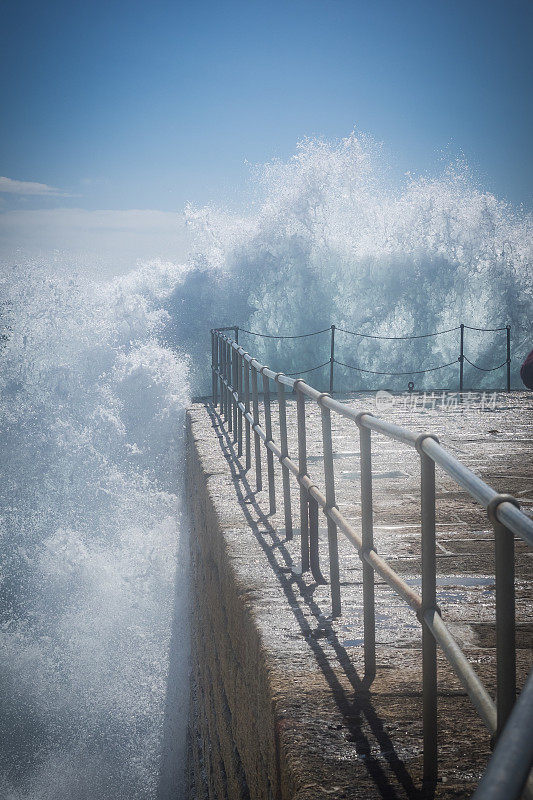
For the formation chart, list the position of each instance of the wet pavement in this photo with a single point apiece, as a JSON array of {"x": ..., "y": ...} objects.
[{"x": 341, "y": 735}]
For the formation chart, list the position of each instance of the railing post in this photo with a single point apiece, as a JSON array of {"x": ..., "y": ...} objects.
[
  {"x": 329, "y": 476},
  {"x": 239, "y": 393},
  {"x": 217, "y": 367},
  {"x": 224, "y": 394},
  {"x": 228, "y": 385},
  {"x": 302, "y": 470},
  {"x": 429, "y": 601},
  {"x": 332, "y": 359},
  {"x": 504, "y": 571},
  {"x": 270, "y": 454},
  {"x": 213, "y": 373},
  {"x": 246, "y": 366},
  {"x": 367, "y": 535},
  {"x": 508, "y": 333},
  {"x": 234, "y": 385},
  {"x": 257, "y": 439},
  {"x": 508, "y": 772},
  {"x": 461, "y": 357},
  {"x": 314, "y": 553},
  {"x": 220, "y": 382},
  {"x": 282, "y": 409},
  {"x": 236, "y": 330},
  {"x": 226, "y": 397}
]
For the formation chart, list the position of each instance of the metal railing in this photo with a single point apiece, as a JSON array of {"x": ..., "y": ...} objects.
[
  {"x": 235, "y": 388},
  {"x": 333, "y": 329}
]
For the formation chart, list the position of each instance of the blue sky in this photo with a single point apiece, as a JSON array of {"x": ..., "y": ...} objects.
[{"x": 153, "y": 104}]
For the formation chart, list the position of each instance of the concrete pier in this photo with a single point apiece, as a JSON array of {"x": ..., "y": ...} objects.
[{"x": 281, "y": 706}]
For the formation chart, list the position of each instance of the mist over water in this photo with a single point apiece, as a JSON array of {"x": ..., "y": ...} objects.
[{"x": 95, "y": 378}]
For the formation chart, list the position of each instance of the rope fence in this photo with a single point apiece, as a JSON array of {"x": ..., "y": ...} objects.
[
  {"x": 471, "y": 328},
  {"x": 273, "y": 336},
  {"x": 407, "y": 372},
  {"x": 333, "y": 329},
  {"x": 311, "y": 369},
  {"x": 485, "y": 369},
  {"x": 416, "y": 336},
  {"x": 365, "y": 335}
]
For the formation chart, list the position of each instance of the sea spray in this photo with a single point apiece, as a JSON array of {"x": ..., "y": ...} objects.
[
  {"x": 93, "y": 541},
  {"x": 333, "y": 239}
]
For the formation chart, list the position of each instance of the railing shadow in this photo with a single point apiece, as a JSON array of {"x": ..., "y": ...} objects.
[{"x": 354, "y": 709}]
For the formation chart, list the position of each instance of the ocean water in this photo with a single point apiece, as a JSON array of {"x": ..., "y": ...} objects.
[{"x": 94, "y": 382}]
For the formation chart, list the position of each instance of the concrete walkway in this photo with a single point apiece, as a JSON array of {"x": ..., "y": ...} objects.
[{"x": 339, "y": 736}]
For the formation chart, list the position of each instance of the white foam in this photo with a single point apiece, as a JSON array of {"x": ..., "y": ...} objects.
[{"x": 92, "y": 410}]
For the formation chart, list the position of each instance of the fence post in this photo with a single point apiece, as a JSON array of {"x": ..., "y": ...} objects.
[
  {"x": 270, "y": 454},
  {"x": 236, "y": 330},
  {"x": 504, "y": 571},
  {"x": 220, "y": 383},
  {"x": 226, "y": 406},
  {"x": 224, "y": 394},
  {"x": 234, "y": 385},
  {"x": 239, "y": 393},
  {"x": 367, "y": 533},
  {"x": 508, "y": 332},
  {"x": 332, "y": 359},
  {"x": 329, "y": 477},
  {"x": 461, "y": 357},
  {"x": 302, "y": 470},
  {"x": 246, "y": 367},
  {"x": 429, "y": 601},
  {"x": 282, "y": 409},
  {"x": 228, "y": 385},
  {"x": 215, "y": 364},
  {"x": 213, "y": 390},
  {"x": 257, "y": 440},
  {"x": 314, "y": 553}
]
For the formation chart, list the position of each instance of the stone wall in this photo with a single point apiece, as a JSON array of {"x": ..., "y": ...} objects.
[{"x": 233, "y": 751}]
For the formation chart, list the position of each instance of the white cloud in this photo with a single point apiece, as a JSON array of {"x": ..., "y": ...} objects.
[
  {"x": 10, "y": 186},
  {"x": 102, "y": 242}
]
